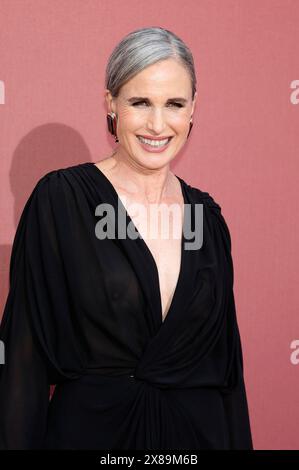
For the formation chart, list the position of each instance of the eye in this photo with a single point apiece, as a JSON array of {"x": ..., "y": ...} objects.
[
  {"x": 178, "y": 105},
  {"x": 137, "y": 103}
]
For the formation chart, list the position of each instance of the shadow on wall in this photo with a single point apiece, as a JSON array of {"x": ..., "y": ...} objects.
[{"x": 46, "y": 148}]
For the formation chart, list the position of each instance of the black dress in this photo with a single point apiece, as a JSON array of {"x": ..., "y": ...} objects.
[{"x": 85, "y": 313}]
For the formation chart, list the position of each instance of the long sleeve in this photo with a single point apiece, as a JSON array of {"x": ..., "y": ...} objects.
[
  {"x": 36, "y": 327},
  {"x": 234, "y": 392},
  {"x": 235, "y": 399}
]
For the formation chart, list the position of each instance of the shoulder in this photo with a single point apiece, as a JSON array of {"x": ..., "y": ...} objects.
[
  {"x": 57, "y": 181},
  {"x": 50, "y": 193},
  {"x": 204, "y": 197},
  {"x": 214, "y": 210},
  {"x": 58, "y": 174}
]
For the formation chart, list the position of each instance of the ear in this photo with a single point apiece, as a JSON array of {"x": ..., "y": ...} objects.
[
  {"x": 193, "y": 103},
  {"x": 109, "y": 100}
]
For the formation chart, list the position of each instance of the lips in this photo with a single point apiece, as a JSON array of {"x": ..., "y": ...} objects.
[
  {"x": 155, "y": 138},
  {"x": 159, "y": 145},
  {"x": 158, "y": 148}
]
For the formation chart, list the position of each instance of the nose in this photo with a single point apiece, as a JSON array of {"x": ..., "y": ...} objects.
[{"x": 156, "y": 121}]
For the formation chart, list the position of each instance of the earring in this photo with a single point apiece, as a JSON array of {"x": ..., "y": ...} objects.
[
  {"x": 190, "y": 127},
  {"x": 111, "y": 121}
]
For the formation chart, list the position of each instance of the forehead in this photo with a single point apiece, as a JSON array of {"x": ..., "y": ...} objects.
[{"x": 167, "y": 75}]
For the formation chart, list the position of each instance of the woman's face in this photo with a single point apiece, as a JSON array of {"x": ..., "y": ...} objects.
[{"x": 165, "y": 110}]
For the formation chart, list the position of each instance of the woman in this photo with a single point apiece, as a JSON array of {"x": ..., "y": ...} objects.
[{"x": 139, "y": 334}]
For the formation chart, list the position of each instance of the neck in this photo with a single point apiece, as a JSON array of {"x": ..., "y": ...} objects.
[{"x": 151, "y": 185}]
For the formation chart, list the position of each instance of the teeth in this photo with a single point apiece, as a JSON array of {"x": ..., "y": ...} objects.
[{"x": 154, "y": 143}]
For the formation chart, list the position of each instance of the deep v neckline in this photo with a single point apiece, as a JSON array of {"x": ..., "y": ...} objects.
[{"x": 145, "y": 246}]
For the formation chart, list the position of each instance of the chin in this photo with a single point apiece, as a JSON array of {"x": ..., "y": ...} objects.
[{"x": 154, "y": 162}]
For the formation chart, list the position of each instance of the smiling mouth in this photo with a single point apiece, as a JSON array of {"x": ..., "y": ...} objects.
[{"x": 154, "y": 143}]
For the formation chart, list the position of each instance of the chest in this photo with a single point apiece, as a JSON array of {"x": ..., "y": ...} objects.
[{"x": 161, "y": 230}]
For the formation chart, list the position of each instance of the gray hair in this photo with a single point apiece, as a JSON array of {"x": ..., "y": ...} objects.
[{"x": 144, "y": 47}]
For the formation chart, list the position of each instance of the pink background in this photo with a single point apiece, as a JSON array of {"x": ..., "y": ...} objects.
[{"x": 243, "y": 148}]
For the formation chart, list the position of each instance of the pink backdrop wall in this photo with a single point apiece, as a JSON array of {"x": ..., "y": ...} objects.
[{"x": 243, "y": 149}]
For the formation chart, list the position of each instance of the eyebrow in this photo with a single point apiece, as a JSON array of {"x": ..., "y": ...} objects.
[{"x": 140, "y": 98}]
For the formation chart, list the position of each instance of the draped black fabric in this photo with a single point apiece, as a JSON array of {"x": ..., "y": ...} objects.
[{"x": 85, "y": 313}]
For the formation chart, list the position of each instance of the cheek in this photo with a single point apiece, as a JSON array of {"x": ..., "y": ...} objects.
[
  {"x": 179, "y": 123},
  {"x": 131, "y": 120}
]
